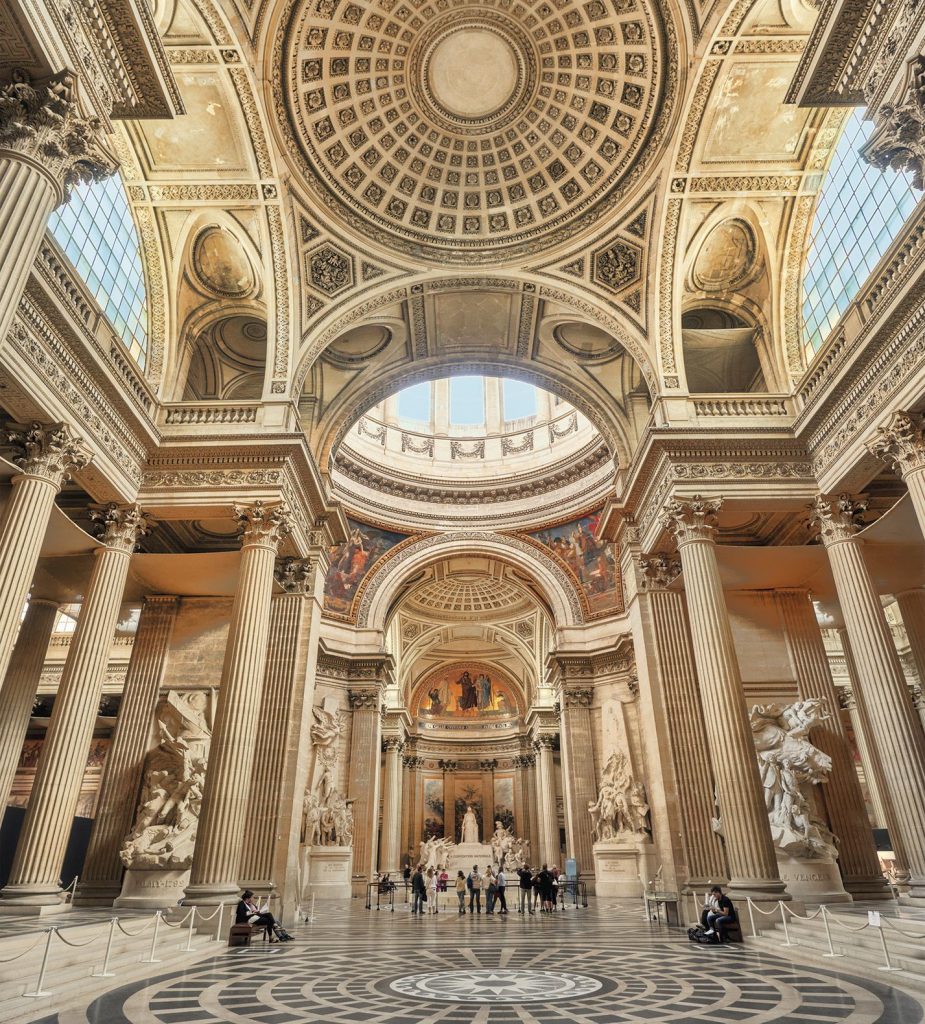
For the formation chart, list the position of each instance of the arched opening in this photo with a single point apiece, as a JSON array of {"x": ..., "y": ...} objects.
[
  {"x": 228, "y": 359},
  {"x": 720, "y": 354}
]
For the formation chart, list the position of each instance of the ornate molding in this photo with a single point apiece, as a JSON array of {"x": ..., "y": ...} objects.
[
  {"x": 577, "y": 697},
  {"x": 837, "y": 519},
  {"x": 119, "y": 527},
  {"x": 901, "y": 443},
  {"x": 657, "y": 572},
  {"x": 296, "y": 575},
  {"x": 364, "y": 698},
  {"x": 43, "y": 123},
  {"x": 47, "y": 450},
  {"x": 691, "y": 520},
  {"x": 262, "y": 524}
]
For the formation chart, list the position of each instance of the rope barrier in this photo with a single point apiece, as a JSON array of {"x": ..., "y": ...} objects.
[
  {"x": 905, "y": 935},
  {"x": 10, "y": 959},
  {"x": 133, "y": 935},
  {"x": 77, "y": 945},
  {"x": 203, "y": 918},
  {"x": 182, "y": 921}
]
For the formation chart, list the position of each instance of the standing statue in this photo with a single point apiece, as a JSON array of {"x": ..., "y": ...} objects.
[
  {"x": 507, "y": 851},
  {"x": 164, "y": 833},
  {"x": 470, "y": 826},
  {"x": 435, "y": 853},
  {"x": 327, "y": 816},
  {"x": 621, "y": 807},
  {"x": 790, "y": 765}
]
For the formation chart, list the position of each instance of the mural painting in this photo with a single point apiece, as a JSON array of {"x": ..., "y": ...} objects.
[
  {"x": 433, "y": 808},
  {"x": 504, "y": 801},
  {"x": 468, "y": 794},
  {"x": 466, "y": 691},
  {"x": 591, "y": 561},
  {"x": 351, "y": 561}
]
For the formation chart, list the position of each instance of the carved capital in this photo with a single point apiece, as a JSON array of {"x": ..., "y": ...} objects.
[
  {"x": 119, "y": 526},
  {"x": 901, "y": 443},
  {"x": 487, "y": 766},
  {"x": 262, "y": 524},
  {"x": 837, "y": 519},
  {"x": 448, "y": 766},
  {"x": 632, "y": 685},
  {"x": 412, "y": 762},
  {"x": 918, "y": 696},
  {"x": 657, "y": 572},
  {"x": 691, "y": 520},
  {"x": 296, "y": 575},
  {"x": 846, "y": 700},
  {"x": 545, "y": 741},
  {"x": 393, "y": 743},
  {"x": 43, "y": 123},
  {"x": 364, "y": 699},
  {"x": 898, "y": 141},
  {"x": 47, "y": 450},
  {"x": 577, "y": 697},
  {"x": 524, "y": 761}
]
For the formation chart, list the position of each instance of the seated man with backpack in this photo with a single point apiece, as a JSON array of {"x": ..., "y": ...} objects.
[{"x": 718, "y": 915}]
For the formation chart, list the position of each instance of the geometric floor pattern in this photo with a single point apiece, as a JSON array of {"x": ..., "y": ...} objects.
[{"x": 579, "y": 967}]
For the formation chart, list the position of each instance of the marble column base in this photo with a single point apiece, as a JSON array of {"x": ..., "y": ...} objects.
[
  {"x": 97, "y": 894},
  {"x": 154, "y": 889},
  {"x": 24, "y": 900},
  {"x": 211, "y": 894},
  {"x": 326, "y": 871}
]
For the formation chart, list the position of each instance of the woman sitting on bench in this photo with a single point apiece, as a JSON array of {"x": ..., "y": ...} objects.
[{"x": 249, "y": 913}]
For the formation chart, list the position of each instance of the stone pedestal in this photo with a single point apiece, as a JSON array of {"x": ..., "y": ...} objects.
[
  {"x": 327, "y": 872},
  {"x": 464, "y": 855},
  {"x": 812, "y": 881},
  {"x": 621, "y": 866},
  {"x": 152, "y": 890}
]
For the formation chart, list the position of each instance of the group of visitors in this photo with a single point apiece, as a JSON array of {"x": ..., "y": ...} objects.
[{"x": 535, "y": 888}]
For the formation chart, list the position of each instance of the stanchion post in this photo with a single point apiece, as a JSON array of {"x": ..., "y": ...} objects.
[
  {"x": 106, "y": 972},
  {"x": 828, "y": 935},
  {"x": 188, "y": 948},
  {"x": 751, "y": 917},
  {"x": 39, "y": 991},
  {"x": 218, "y": 922},
  {"x": 157, "y": 921},
  {"x": 888, "y": 966},
  {"x": 311, "y": 917},
  {"x": 783, "y": 917}
]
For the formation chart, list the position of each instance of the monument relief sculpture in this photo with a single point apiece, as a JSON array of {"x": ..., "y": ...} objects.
[
  {"x": 164, "y": 833},
  {"x": 621, "y": 807}
]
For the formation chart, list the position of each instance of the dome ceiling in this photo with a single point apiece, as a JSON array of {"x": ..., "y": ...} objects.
[
  {"x": 460, "y": 129},
  {"x": 468, "y": 596}
]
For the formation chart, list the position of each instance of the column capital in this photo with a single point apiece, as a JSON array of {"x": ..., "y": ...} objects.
[
  {"x": 393, "y": 743},
  {"x": 837, "y": 519},
  {"x": 898, "y": 141},
  {"x": 50, "y": 451},
  {"x": 694, "y": 519},
  {"x": 545, "y": 741},
  {"x": 42, "y": 123},
  {"x": 577, "y": 697},
  {"x": 296, "y": 575},
  {"x": 846, "y": 698},
  {"x": 901, "y": 443},
  {"x": 263, "y": 525},
  {"x": 366, "y": 698},
  {"x": 119, "y": 527},
  {"x": 918, "y": 696},
  {"x": 524, "y": 761},
  {"x": 412, "y": 762},
  {"x": 657, "y": 571},
  {"x": 448, "y": 766},
  {"x": 488, "y": 766}
]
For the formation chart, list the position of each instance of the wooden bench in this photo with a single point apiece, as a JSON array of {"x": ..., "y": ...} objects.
[
  {"x": 241, "y": 934},
  {"x": 733, "y": 932}
]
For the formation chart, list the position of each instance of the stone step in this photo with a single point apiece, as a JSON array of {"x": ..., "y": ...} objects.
[{"x": 71, "y": 970}]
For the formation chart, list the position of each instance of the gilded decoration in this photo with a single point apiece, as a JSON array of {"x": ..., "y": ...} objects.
[
  {"x": 466, "y": 694},
  {"x": 474, "y": 132}
]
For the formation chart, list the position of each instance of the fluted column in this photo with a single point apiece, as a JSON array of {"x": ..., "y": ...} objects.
[
  {"x": 533, "y": 806},
  {"x": 270, "y": 856},
  {"x": 363, "y": 781},
  {"x": 410, "y": 787},
  {"x": 844, "y": 801},
  {"x": 46, "y": 148},
  {"x": 749, "y": 849},
  {"x": 683, "y": 711},
  {"x": 46, "y": 454},
  {"x": 487, "y": 769},
  {"x": 101, "y": 878},
  {"x": 901, "y": 444},
  {"x": 34, "y": 877},
  {"x": 390, "y": 853},
  {"x": 896, "y": 739},
  {"x": 546, "y": 799},
  {"x": 21, "y": 685},
  {"x": 578, "y": 776},
  {"x": 912, "y": 609},
  {"x": 220, "y": 836}
]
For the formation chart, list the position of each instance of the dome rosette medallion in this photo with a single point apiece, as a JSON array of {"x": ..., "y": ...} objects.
[{"x": 474, "y": 131}]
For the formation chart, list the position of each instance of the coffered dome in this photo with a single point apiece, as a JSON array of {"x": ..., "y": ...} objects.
[{"x": 473, "y": 129}]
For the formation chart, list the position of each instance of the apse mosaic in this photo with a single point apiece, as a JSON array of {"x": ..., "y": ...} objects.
[
  {"x": 465, "y": 693},
  {"x": 352, "y": 561},
  {"x": 590, "y": 560}
]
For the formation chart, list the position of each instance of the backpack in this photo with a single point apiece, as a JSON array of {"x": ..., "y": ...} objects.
[
  {"x": 469, "y": 882},
  {"x": 697, "y": 934}
]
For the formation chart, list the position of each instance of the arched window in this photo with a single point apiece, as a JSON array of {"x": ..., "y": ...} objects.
[
  {"x": 96, "y": 231},
  {"x": 859, "y": 212}
]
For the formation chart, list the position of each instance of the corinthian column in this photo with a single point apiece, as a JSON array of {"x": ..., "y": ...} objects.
[
  {"x": 901, "y": 443},
  {"x": 390, "y": 852},
  {"x": 546, "y": 799},
  {"x": 363, "y": 781},
  {"x": 912, "y": 609},
  {"x": 271, "y": 840},
  {"x": 896, "y": 739},
  {"x": 46, "y": 454},
  {"x": 749, "y": 849},
  {"x": 101, "y": 878},
  {"x": 578, "y": 776},
  {"x": 46, "y": 148},
  {"x": 34, "y": 877},
  {"x": 20, "y": 686},
  {"x": 844, "y": 801},
  {"x": 220, "y": 836}
]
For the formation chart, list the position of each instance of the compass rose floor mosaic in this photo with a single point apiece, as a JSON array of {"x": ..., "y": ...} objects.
[{"x": 601, "y": 966}]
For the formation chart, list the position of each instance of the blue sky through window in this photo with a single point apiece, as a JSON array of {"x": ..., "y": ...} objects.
[
  {"x": 414, "y": 403},
  {"x": 519, "y": 399},
  {"x": 859, "y": 212},
  {"x": 467, "y": 401}
]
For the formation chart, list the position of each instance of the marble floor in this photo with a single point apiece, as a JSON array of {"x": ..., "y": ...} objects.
[{"x": 604, "y": 965}]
